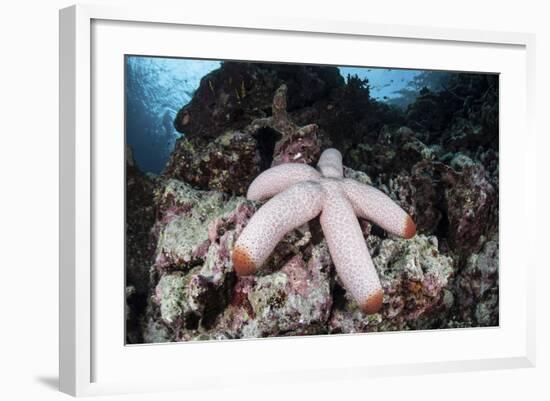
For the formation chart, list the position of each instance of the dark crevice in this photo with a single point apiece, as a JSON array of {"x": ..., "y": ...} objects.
[{"x": 266, "y": 138}]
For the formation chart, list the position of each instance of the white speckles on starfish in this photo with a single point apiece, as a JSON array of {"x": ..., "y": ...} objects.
[
  {"x": 330, "y": 164},
  {"x": 281, "y": 214},
  {"x": 374, "y": 205},
  {"x": 279, "y": 178},
  {"x": 300, "y": 193},
  {"x": 348, "y": 248}
]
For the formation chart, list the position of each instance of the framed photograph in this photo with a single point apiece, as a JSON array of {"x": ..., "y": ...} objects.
[{"x": 239, "y": 194}]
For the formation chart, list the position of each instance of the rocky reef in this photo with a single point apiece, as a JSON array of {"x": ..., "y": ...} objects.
[
  {"x": 438, "y": 159},
  {"x": 140, "y": 217}
]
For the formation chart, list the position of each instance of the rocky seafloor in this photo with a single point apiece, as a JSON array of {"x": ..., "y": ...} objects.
[{"x": 438, "y": 160}]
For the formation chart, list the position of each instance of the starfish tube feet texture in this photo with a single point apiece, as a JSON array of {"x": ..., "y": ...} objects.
[
  {"x": 300, "y": 193},
  {"x": 330, "y": 164},
  {"x": 279, "y": 178},
  {"x": 372, "y": 204},
  {"x": 348, "y": 250},
  {"x": 281, "y": 214}
]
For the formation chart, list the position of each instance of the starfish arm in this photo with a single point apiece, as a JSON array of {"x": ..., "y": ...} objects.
[
  {"x": 330, "y": 163},
  {"x": 279, "y": 178},
  {"x": 350, "y": 254},
  {"x": 281, "y": 214},
  {"x": 374, "y": 205}
]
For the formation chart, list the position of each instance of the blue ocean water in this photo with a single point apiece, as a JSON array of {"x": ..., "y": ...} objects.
[
  {"x": 384, "y": 83},
  {"x": 156, "y": 88}
]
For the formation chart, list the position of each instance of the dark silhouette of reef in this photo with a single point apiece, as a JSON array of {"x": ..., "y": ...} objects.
[
  {"x": 140, "y": 217},
  {"x": 438, "y": 159}
]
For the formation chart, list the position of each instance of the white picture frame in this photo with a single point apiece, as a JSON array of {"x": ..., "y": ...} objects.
[{"x": 94, "y": 361}]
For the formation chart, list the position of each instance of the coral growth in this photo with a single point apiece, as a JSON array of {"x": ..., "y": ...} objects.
[{"x": 437, "y": 160}]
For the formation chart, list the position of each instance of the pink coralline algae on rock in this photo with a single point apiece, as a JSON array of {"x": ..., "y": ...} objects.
[
  {"x": 298, "y": 194},
  {"x": 196, "y": 294},
  {"x": 414, "y": 276}
]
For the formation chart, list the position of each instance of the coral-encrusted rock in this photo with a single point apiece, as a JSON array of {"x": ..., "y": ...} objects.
[
  {"x": 293, "y": 300},
  {"x": 360, "y": 176},
  {"x": 422, "y": 193},
  {"x": 140, "y": 217},
  {"x": 471, "y": 205},
  {"x": 232, "y": 96},
  {"x": 196, "y": 294},
  {"x": 154, "y": 329},
  {"x": 457, "y": 203},
  {"x": 184, "y": 220},
  {"x": 231, "y": 161},
  {"x": 193, "y": 276},
  {"x": 413, "y": 274},
  {"x": 227, "y": 164},
  {"x": 405, "y": 168},
  {"x": 391, "y": 152},
  {"x": 477, "y": 286},
  {"x": 296, "y": 144}
]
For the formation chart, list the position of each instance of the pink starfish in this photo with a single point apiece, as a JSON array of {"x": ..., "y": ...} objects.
[{"x": 299, "y": 193}]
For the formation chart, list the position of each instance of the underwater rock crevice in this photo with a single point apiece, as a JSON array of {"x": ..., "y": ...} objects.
[{"x": 266, "y": 138}]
